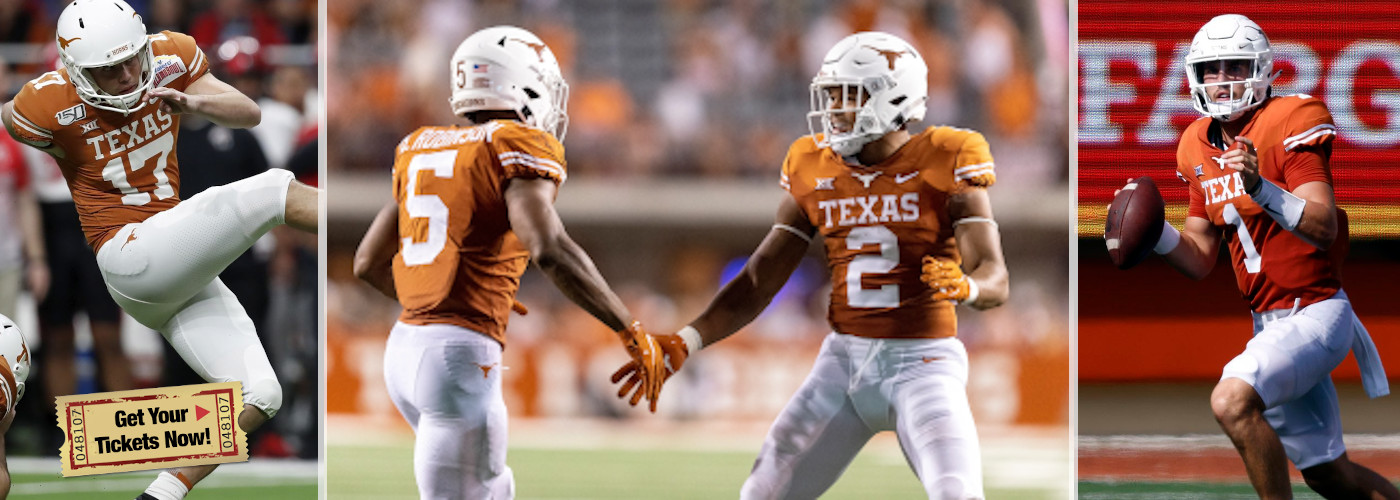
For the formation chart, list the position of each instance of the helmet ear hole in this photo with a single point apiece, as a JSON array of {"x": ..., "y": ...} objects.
[
  {"x": 898, "y": 100},
  {"x": 531, "y": 93}
]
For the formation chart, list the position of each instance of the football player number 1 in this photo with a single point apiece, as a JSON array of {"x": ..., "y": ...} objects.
[
  {"x": 1251, "y": 254},
  {"x": 856, "y": 294},
  {"x": 115, "y": 171},
  {"x": 428, "y": 206}
]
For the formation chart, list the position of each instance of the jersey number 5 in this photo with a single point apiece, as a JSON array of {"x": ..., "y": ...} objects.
[
  {"x": 856, "y": 294},
  {"x": 115, "y": 171},
  {"x": 428, "y": 206}
]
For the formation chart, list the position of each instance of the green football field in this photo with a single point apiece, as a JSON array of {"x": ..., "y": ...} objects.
[
  {"x": 1092, "y": 490},
  {"x": 386, "y": 472},
  {"x": 262, "y": 479}
]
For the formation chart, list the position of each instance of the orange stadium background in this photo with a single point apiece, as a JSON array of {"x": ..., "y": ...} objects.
[
  {"x": 1152, "y": 342},
  {"x": 677, "y": 132}
]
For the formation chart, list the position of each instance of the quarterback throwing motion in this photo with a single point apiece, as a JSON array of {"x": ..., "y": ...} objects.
[
  {"x": 1257, "y": 167},
  {"x": 909, "y": 235},
  {"x": 110, "y": 118}
]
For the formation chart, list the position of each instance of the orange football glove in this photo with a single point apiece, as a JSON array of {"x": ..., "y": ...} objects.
[
  {"x": 675, "y": 350},
  {"x": 946, "y": 279},
  {"x": 649, "y": 359}
]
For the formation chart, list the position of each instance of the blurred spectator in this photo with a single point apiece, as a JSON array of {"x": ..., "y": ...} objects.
[
  {"x": 233, "y": 18},
  {"x": 689, "y": 88}
]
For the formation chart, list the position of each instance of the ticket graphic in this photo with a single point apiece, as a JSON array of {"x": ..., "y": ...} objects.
[{"x": 147, "y": 429}]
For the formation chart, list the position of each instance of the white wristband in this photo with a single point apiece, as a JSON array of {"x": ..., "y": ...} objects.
[
  {"x": 972, "y": 291},
  {"x": 691, "y": 336},
  {"x": 1285, "y": 207},
  {"x": 1169, "y": 239}
]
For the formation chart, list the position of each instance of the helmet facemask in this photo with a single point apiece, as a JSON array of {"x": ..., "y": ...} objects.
[
  {"x": 1221, "y": 43},
  {"x": 1243, "y": 93},
  {"x": 870, "y": 84},
  {"x": 92, "y": 93}
]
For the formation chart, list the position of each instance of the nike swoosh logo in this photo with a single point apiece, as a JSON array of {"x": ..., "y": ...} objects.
[
  {"x": 899, "y": 179},
  {"x": 930, "y": 360}
]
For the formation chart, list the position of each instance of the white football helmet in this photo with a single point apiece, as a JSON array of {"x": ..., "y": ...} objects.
[
  {"x": 97, "y": 33},
  {"x": 15, "y": 356},
  {"x": 881, "y": 72},
  {"x": 508, "y": 68},
  {"x": 1230, "y": 37}
]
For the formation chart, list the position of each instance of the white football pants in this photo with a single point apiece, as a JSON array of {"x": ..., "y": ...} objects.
[
  {"x": 1289, "y": 363},
  {"x": 446, "y": 381},
  {"x": 164, "y": 273},
  {"x": 858, "y": 387}
]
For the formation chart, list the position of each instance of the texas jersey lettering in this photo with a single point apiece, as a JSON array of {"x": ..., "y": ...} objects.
[
  {"x": 120, "y": 168},
  {"x": 1273, "y": 267},
  {"x": 880, "y": 221},
  {"x": 458, "y": 262}
]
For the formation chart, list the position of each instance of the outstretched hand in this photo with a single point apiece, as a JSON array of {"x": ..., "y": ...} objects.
[
  {"x": 675, "y": 351},
  {"x": 648, "y": 359}
]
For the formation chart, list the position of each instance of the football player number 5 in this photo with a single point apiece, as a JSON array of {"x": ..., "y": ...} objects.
[
  {"x": 856, "y": 294},
  {"x": 428, "y": 206},
  {"x": 1251, "y": 254}
]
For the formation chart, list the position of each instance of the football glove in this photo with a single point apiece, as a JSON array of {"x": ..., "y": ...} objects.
[
  {"x": 675, "y": 352},
  {"x": 649, "y": 359},
  {"x": 946, "y": 279}
]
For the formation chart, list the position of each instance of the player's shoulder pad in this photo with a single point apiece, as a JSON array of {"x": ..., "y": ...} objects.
[
  {"x": 175, "y": 55},
  {"x": 516, "y": 143},
  {"x": 43, "y": 105},
  {"x": 1306, "y": 121},
  {"x": 973, "y": 165},
  {"x": 802, "y": 151}
]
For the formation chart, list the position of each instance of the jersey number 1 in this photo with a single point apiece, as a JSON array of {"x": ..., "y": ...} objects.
[
  {"x": 1251, "y": 254},
  {"x": 427, "y": 205}
]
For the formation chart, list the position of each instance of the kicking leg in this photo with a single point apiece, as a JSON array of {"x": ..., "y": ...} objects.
[
  {"x": 215, "y": 336},
  {"x": 303, "y": 207}
]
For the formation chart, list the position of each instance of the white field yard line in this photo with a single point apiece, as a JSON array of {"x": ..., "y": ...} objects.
[
  {"x": 1111, "y": 443},
  {"x": 268, "y": 472}
]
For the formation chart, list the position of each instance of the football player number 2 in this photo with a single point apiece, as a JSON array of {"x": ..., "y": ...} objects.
[
  {"x": 1251, "y": 254},
  {"x": 428, "y": 206},
  {"x": 856, "y": 294},
  {"x": 115, "y": 171}
]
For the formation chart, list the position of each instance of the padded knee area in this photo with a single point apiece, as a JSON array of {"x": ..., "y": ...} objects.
[
  {"x": 265, "y": 394},
  {"x": 950, "y": 488}
]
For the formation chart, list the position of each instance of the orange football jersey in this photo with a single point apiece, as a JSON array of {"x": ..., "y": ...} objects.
[
  {"x": 120, "y": 168},
  {"x": 1293, "y": 138},
  {"x": 458, "y": 261},
  {"x": 880, "y": 221}
]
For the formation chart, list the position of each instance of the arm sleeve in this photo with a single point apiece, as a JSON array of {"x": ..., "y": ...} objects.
[
  {"x": 974, "y": 167},
  {"x": 1308, "y": 147},
  {"x": 31, "y": 122}
]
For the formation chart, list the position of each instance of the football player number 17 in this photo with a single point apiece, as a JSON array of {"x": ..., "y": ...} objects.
[
  {"x": 115, "y": 171},
  {"x": 428, "y": 206},
  {"x": 1251, "y": 254},
  {"x": 856, "y": 294}
]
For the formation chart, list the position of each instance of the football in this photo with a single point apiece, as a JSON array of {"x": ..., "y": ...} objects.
[{"x": 1134, "y": 222}]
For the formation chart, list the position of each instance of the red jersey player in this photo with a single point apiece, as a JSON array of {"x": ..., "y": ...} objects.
[
  {"x": 899, "y": 213},
  {"x": 1258, "y": 172}
]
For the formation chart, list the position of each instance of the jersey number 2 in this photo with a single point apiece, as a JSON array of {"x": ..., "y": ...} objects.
[
  {"x": 427, "y": 205},
  {"x": 1251, "y": 254},
  {"x": 856, "y": 294}
]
